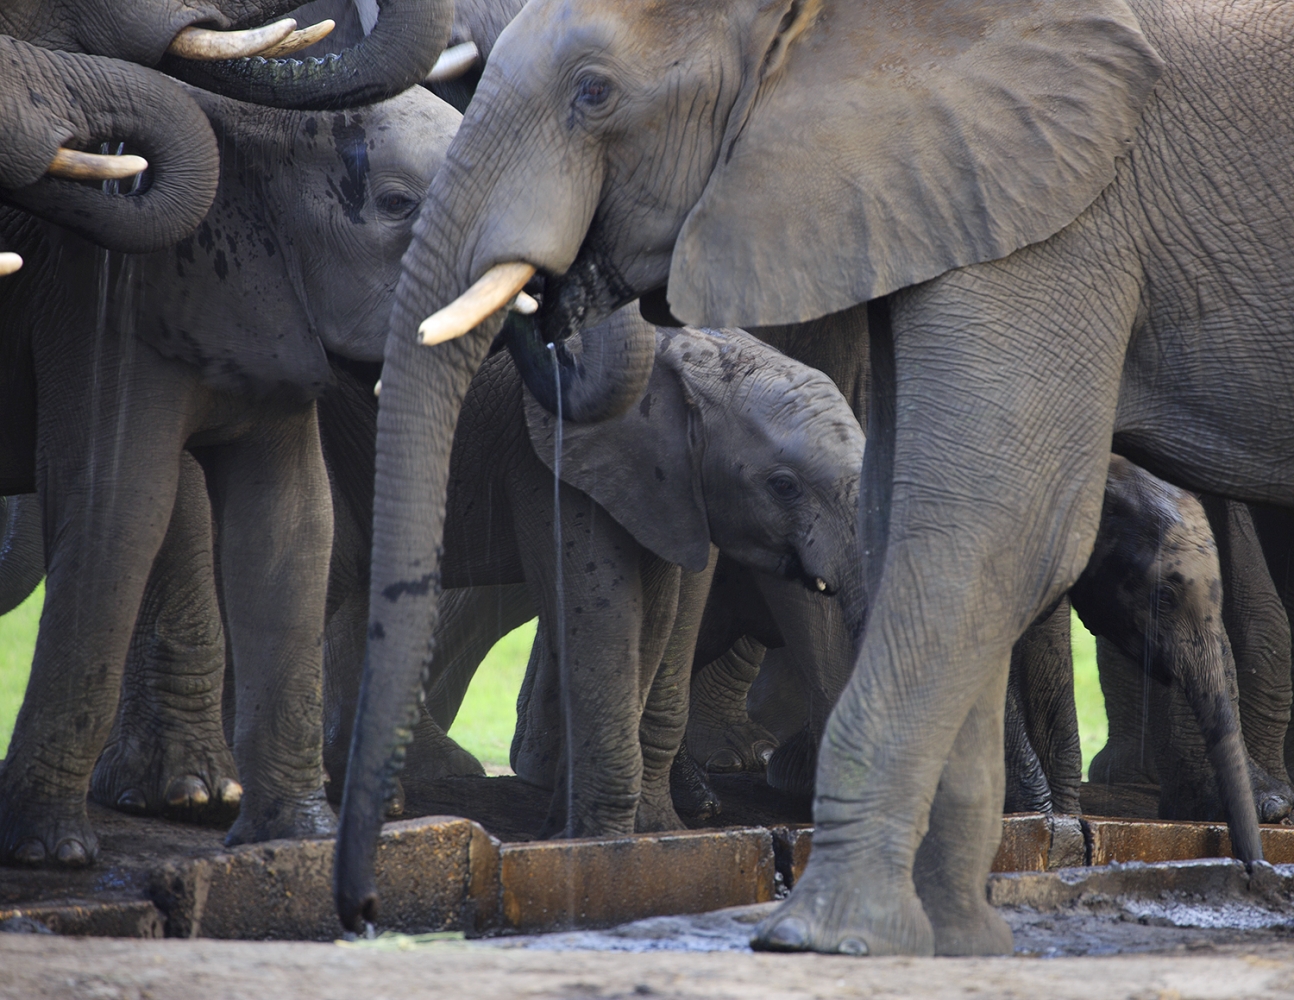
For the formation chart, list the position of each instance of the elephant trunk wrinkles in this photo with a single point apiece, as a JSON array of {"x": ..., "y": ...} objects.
[
  {"x": 422, "y": 393},
  {"x": 398, "y": 54},
  {"x": 81, "y": 101}
]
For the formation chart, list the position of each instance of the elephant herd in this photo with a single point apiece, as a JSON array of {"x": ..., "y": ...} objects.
[{"x": 316, "y": 381}]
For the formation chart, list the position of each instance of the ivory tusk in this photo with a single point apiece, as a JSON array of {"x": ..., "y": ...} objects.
[
  {"x": 9, "y": 262},
  {"x": 820, "y": 583},
  {"x": 74, "y": 165},
  {"x": 377, "y": 388},
  {"x": 454, "y": 62},
  {"x": 493, "y": 290},
  {"x": 525, "y": 305},
  {"x": 299, "y": 40},
  {"x": 208, "y": 45}
]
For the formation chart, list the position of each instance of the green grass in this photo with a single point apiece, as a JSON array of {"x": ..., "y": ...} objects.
[
  {"x": 489, "y": 714},
  {"x": 17, "y": 643}
]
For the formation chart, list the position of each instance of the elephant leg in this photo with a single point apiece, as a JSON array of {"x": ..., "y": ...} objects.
[
  {"x": 1153, "y": 584},
  {"x": 665, "y": 714},
  {"x": 271, "y": 501},
  {"x": 1275, "y": 530},
  {"x": 1027, "y": 790},
  {"x": 22, "y": 554},
  {"x": 963, "y": 921},
  {"x": 1042, "y": 675},
  {"x": 167, "y": 754},
  {"x": 1132, "y": 700},
  {"x": 1259, "y": 633},
  {"x": 980, "y": 502},
  {"x": 721, "y": 735},
  {"x": 107, "y": 482}
]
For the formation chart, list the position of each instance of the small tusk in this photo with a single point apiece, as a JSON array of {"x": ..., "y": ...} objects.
[
  {"x": 525, "y": 305},
  {"x": 74, "y": 165},
  {"x": 299, "y": 40},
  {"x": 207, "y": 45},
  {"x": 493, "y": 290},
  {"x": 377, "y": 388},
  {"x": 820, "y": 583},
  {"x": 454, "y": 62},
  {"x": 9, "y": 262}
]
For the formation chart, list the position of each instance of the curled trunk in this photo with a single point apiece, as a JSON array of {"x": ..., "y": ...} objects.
[
  {"x": 397, "y": 54},
  {"x": 83, "y": 102},
  {"x": 22, "y": 552}
]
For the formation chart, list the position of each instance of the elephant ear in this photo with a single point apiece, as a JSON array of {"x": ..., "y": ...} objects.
[
  {"x": 883, "y": 143},
  {"x": 642, "y": 467}
]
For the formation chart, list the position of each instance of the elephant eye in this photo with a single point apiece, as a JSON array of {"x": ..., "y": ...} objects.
[
  {"x": 396, "y": 205},
  {"x": 592, "y": 91},
  {"x": 784, "y": 486}
]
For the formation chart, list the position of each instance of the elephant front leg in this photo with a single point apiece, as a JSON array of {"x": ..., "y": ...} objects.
[
  {"x": 720, "y": 733},
  {"x": 167, "y": 754},
  {"x": 271, "y": 500}
]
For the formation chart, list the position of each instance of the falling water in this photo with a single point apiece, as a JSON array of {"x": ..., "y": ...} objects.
[{"x": 559, "y": 629}]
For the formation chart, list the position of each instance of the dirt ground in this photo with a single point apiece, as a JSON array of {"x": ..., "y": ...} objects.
[{"x": 40, "y": 966}]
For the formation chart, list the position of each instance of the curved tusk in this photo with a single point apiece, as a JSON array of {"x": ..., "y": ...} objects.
[
  {"x": 207, "y": 45},
  {"x": 73, "y": 165},
  {"x": 299, "y": 39},
  {"x": 525, "y": 305},
  {"x": 9, "y": 262},
  {"x": 377, "y": 388},
  {"x": 454, "y": 62},
  {"x": 493, "y": 290}
]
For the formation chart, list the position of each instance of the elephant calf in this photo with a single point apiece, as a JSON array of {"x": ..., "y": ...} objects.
[{"x": 732, "y": 444}]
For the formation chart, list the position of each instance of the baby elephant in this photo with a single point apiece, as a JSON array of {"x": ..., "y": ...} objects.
[{"x": 732, "y": 444}]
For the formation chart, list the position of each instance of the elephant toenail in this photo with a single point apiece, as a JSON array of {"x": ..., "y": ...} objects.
[
  {"x": 763, "y": 751},
  {"x": 723, "y": 761},
  {"x": 189, "y": 791},
  {"x": 132, "y": 800},
  {"x": 852, "y": 946},
  {"x": 29, "y": 852},
  {"x": 791, "y": 934},
  {"x": 230, "y": 792},
  {"x": 72, "y": 854}
]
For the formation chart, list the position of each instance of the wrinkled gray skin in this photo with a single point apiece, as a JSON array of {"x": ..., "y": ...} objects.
[
  {"x": 1154, "y": 738},
  {"x": 762, "y": 167},
  {"x": 732, "y": 443},
  {"x": 225, "y": 358}
]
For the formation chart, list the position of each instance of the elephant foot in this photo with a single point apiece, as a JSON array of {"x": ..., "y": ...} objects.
[
  {"x": 185, "y": 779},
  {"x": 657, "y": 817},
  {"x": 1123, "y": 762},
  {"x": 826, "y": 912},
  {"x": 1273, "y": 797},
  {"x": 793, "y": 766},
  {"x": 690, "y": 790},
  {"x": 746, "y": 746},
  {"x": 280, "y": 819},
  {"x": 45, "y": 835},
  {"x": 980, "y": 931}
]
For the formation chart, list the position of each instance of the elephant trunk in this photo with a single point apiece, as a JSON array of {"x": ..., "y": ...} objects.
[
  {"x": 22, "y": 550},
  {"x": 398, "y": 54},
  {"x": 422, "y": 393},
  {"x": 79, "y": 100}
]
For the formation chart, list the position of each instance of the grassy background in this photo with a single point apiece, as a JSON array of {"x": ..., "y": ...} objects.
[{"x": 485, "y": 722}]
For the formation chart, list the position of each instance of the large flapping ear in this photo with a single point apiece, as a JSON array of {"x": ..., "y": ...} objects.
[
  {"x": 640, "y": 466},
  {"x": 882, "y": 143}
]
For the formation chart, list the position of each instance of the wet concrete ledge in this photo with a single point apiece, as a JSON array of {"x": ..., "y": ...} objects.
[{"x": 444, "y": 873}]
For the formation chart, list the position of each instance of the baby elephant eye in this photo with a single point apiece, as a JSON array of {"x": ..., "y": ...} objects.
[
  {"x": 592, "y": 91},
  {"x": 784, "y": 486},
  {"x": 396, "y": 205}
]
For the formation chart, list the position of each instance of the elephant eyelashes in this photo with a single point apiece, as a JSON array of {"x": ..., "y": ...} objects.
[
  {"x": 397, "y": 206},
  {"x": 784, "y": 487}
]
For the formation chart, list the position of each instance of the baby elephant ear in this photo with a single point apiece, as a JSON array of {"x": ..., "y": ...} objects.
[
  {"x": 889, "y": 141},
  {"x": 639, "y": 466}
]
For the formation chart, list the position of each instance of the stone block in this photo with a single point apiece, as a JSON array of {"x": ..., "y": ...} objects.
[{"x": 122, "y": 918}]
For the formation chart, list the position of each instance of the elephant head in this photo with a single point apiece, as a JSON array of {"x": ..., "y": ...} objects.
[
  {"x": 758, "y": 164},
  {"x": 189, "y": 40}
]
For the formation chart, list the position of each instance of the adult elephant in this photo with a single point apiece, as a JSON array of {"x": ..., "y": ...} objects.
[
  {"x": 1057, "y": 258},
  {"x": 218, "y": 347}
]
